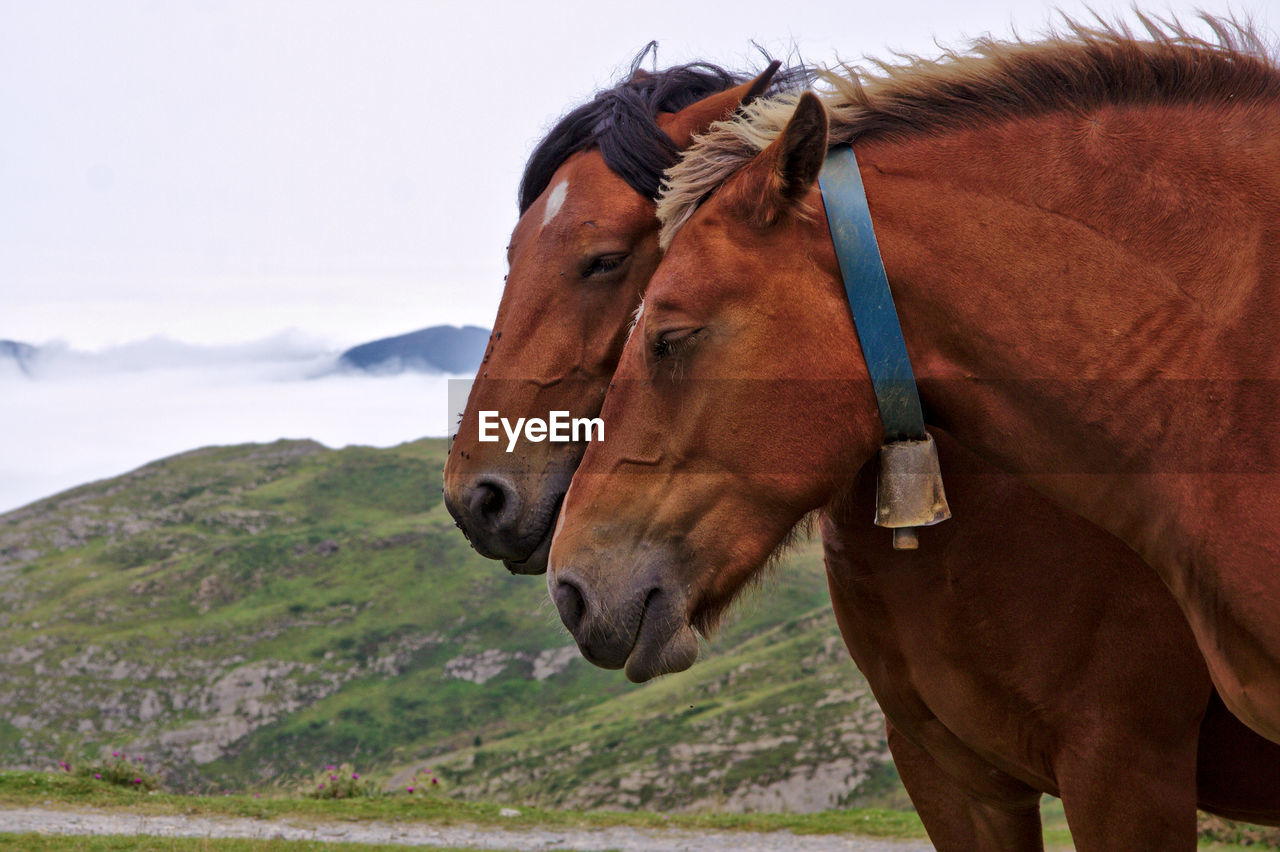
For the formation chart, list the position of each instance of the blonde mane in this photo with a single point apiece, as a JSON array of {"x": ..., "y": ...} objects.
[{"x": 1081, "y": 69}]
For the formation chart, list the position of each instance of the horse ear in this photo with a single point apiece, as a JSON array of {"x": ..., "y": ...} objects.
[
  {"x": 782, "y": 174},
  {"x": 682, "y": 126}
]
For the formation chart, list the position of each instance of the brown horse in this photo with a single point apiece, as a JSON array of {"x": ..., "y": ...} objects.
[
  {"x": 1039, "y": 656},
  {"x": 1081, "y": 236},
  {"x": 913, "y": 634},
  {"x": 580, "y": 258}
]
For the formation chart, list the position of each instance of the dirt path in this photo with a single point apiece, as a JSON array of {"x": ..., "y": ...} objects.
[{"x": 421, "y": 834}]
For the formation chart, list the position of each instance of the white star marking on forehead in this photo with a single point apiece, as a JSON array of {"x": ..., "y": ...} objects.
[{"x": 555, "y": 201}]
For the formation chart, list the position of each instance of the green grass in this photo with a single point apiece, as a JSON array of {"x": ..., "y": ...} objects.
[
  {"x": 131, "y": 843},
  {"x": 50, "y": 790},
  {"x": 37, "y": 789},
  {"x": 341, "y": 572}
]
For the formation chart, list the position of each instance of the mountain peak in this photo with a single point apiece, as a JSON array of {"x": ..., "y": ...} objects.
[
  {"x": 21, "y": 353},
  {"x": 438, "y": 349}
]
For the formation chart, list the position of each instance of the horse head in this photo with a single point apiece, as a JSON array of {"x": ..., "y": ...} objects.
[
  {"x": 580, "y": 258},
  {"x": 740, "y": 404}
]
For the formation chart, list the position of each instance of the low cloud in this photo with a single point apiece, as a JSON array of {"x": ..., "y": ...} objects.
[
  {"x": 288, "y": 354},
  {"x": 73, "y": 417}
]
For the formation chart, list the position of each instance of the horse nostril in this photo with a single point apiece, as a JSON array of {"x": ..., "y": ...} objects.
[
  {"x": 489, "y": 500},
  {"x": 571, "y": 604},
  {"x": 494, "y": 504}
]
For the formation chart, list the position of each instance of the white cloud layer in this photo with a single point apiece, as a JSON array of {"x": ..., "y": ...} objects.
[
  {"x": 82, "y": 416},
  {"x": 288, "y": 354}
]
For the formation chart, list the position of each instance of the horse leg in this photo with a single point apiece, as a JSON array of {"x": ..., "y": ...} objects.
[
  {"x": 958, "y": 819},
  {"x": 1120, "y": 797}
]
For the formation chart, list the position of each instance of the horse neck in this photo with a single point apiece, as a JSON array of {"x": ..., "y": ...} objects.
[{"x": 1072, "y": 287}]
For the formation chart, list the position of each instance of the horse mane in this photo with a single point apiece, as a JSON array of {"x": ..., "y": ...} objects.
[
  {"x": 621, "y": 122},
  {"x": 1080, "y": 70}
]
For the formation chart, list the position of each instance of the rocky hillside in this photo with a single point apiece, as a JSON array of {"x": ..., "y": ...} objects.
[{"x": 241, "y": 615}]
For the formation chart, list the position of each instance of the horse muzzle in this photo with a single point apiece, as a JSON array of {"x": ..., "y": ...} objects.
[
  {"x": 501, "y": 524},
  {"x": 640, "y": 626}
]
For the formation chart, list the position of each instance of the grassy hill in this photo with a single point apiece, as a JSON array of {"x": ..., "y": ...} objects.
[{"x": 242, "y": 615}]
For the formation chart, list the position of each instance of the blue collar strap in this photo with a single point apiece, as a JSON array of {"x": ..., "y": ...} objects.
[
  {"x": 909, "y": 488},
  {"x": 867, "y": 288}
]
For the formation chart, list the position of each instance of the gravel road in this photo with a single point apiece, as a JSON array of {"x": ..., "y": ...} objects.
[{"x": 22, "y": 820}]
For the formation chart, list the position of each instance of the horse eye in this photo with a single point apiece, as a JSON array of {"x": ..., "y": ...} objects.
[
  {"x": 603, "y": 264},
  {"x": 670, "y": 343}
]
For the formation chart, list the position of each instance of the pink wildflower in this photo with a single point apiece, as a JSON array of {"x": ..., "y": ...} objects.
[
  {"x": 411, "y": 789},
  {"x": 98, "y": 775},
  {"x": 355, "y": 776}
]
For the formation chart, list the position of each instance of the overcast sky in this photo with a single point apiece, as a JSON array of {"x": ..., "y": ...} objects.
[{"x": 220, "y": 171}]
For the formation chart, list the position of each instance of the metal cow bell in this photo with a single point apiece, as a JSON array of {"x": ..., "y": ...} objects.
[{"x": 909, "y": 490}]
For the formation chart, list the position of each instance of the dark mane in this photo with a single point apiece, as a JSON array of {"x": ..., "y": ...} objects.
[{"x": 621, "y": 122}]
